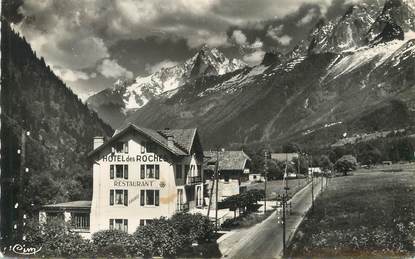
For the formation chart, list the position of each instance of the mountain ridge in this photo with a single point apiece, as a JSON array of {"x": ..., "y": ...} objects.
[
  {"x": 127, "y": 96},
  {"x": 321, "y": 82}
]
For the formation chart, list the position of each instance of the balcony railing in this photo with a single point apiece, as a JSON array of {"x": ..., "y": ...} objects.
[
  {"x": 183, "y": 207},
  {"x": 191, "y": 180}
]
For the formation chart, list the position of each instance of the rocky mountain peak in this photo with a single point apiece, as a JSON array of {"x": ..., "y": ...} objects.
[
  {"x": 397, "y": 17},
  {"x": 136, "y": 93},
  {"x": 272, "y": 57}
]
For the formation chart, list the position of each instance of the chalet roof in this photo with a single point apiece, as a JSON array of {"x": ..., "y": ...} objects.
[
  {"x": 284, "y": 156},
  {"x": 182, "y": 138},
  {"x": 228, "y": 160},
  {"x": 70, "y": 205}
]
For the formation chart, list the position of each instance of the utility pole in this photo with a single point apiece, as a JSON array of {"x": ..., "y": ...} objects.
[
  {"x": 215, "y": 178},
  {"x": 312, "y": 185},
  {"x": 217, "y": 188},
  {"x": 283, "y": 224},
  {"x": 266, "y": 179},
  {"x": 285, "y": 176}
]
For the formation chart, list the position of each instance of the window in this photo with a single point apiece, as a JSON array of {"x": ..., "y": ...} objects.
[
  {"x": 150, "y": 147},
  {"x": 120, "y": 147},
  {"x": 119, "y": 197},
  {"x": 144, "y": 222},
  {"x": 186, "y": 169},
  {"x": 143, "y": 147},
  {"x": 226, "y": 178},
  {"x": 149, "y": 197},
  {"x": 121, "y": 171},
  {"x": 52, "y": 216},
  {"x": 80, "y": 220},
  {"x": 119, "y": 224},
  {"x": 179, "y": 173},
  {"x": 150, "y": 171},
  {"x": 199, "y": 170}
]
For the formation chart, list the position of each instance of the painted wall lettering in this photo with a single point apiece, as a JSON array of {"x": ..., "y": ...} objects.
[{"x": 126, "y": 159}]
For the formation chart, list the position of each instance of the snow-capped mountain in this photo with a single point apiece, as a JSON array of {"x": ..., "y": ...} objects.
[
  {"x": 338, "y": 80},
  {"x": 127, "y": 95},
  {"x": 207, "y": 62}
]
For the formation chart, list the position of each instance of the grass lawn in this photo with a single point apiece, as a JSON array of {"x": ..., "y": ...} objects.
[
  {"x": 276, "y": 187},
  {"x": 367, "y": 214}
]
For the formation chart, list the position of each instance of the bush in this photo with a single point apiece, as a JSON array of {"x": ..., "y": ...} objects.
[
  {"x": 246, "y": 201},
  {"x": 160, "y": 238},
  {"x": 231, "y": 223},
  {"x": 193, "y": 227},
  {"x": 114, "y": 243},
  {"x": 56, "y": 239}
]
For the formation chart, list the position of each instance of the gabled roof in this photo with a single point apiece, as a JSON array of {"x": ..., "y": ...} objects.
[
  {"x": 284, "y": 156},
  {"x": 182, "y": 138},
  {"x": 228, "y": 160}
]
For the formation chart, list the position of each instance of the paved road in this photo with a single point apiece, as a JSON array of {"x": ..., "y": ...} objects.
[{"x": 265, "y": 239}]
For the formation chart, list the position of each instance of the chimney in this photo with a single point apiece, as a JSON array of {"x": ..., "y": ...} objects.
[
  {"x": 98, "y": 141},
  {"x": 170, "y": 142}
]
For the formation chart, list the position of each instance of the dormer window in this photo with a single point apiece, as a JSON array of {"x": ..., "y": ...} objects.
[{"x": 120, "y": 147}]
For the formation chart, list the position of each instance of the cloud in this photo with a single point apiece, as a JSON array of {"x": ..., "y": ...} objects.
[
  {"x": 275, "y": 32},
  {"x": 254, "y": 58},
  {"x": 78, "y": 35},
  {"x": 284, "y": 40},
  {"x": 312, "y": 13},
  {"x": 111, "y": 69},
  {"x": 257, "y": 44},
  {"x": 158, "y": 66},
  {"x": 203, "y": 37},
  {"x": 69, "y": 75},
  {"x": 239, "y": 37}
]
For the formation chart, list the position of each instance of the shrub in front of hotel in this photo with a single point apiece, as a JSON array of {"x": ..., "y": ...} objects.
[
  {"x": 160, "y": 238},
  {"x": 193, "y": 227},
  {"x": 114, "y": 243},
  {"x": 56, "y": 240}
]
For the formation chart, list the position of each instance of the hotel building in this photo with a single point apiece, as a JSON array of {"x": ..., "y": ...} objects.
[{"x": 140, "y": 174}]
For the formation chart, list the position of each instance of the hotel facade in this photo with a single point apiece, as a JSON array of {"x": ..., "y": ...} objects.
[{"x": 141, "y": 174}]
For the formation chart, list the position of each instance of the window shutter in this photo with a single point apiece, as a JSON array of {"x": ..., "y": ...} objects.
[
  {"x": 126, "y": 225},
  {"x": 143, "y": 172},
  {"x": 142, "y": 193},
  {"x": 111, "y": 197},
  {"x": 111, "y": 171},
  {"x": 157, "y": 171},
  {"x": 143, "y": 147},
  {"x": 126, "y": 147},
  {"x": 111, "y": 224},
  {"x": 126, "y": 197},
  {"x": 157, "y": 197},
  {"x": 125, "y": 171}
]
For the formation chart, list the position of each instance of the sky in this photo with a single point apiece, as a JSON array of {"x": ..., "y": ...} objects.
[{"x": 92, "y": 43}]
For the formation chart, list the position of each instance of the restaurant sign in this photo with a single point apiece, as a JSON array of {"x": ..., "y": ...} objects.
[{"x": 139, "y": 183}]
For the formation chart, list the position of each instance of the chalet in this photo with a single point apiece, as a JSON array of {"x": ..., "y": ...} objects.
[
  {"x": 140, "y": 174},
  {"x": 233, "y": 168}
]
